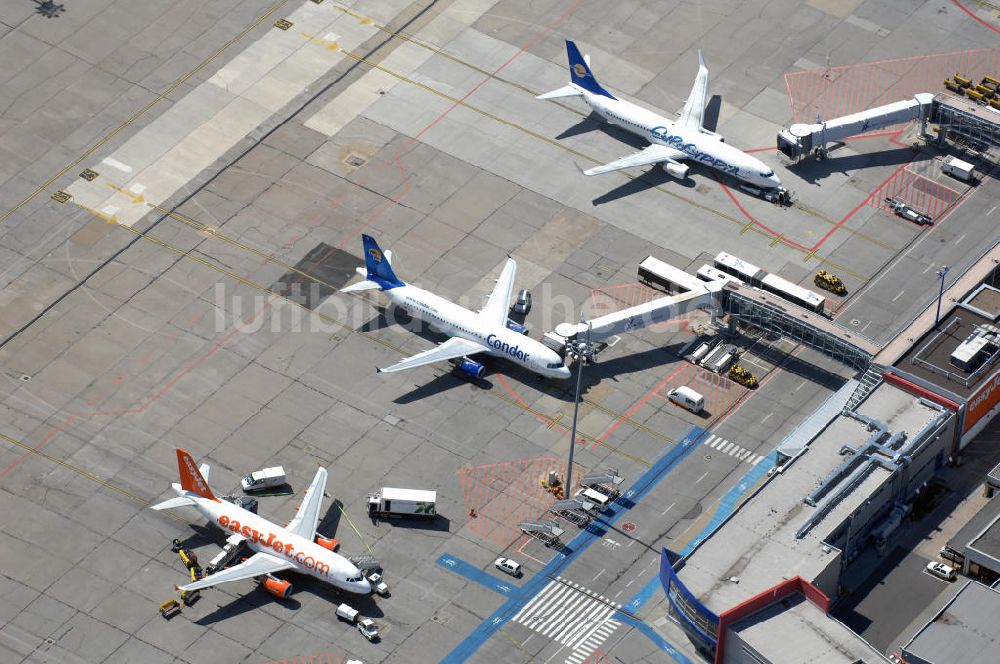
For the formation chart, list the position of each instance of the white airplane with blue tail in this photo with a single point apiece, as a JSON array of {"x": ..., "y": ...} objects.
[
  {"x": 485, "y": 331},
  {"x": 672, "y": 141}
]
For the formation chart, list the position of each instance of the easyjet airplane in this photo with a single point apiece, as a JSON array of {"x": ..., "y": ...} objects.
[{"x": 295, "y": 547}]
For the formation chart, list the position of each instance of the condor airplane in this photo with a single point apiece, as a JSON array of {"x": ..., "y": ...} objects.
[
  {"x": 295, "y": 547},
  {"x": 673, "y": 141},
  {"x": 470, "y": 332}
]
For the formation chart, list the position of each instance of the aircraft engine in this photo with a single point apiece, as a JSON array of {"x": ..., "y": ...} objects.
[
  {"x": 471, "y": 368},
  {"x": 328, "y": 543},
  {"x": 679, "y": 171},
  {"x": 277, "y": 587}
]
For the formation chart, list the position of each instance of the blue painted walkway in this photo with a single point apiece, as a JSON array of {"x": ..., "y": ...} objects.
[
  {"x": 473, "y": 573},
  {"x": 595, "y": 531},
  {"x": 724, "y": 510}
]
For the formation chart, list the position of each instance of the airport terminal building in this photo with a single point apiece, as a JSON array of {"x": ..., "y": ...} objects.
[{"x": 760, "y": 587}]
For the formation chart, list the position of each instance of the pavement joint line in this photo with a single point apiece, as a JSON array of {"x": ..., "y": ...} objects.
[
  {"x": 142, "y": 111},
  {"x": 247, "y": 282},
  {"x": 754, "y": 226},
  {"x": 535, "y": 93},
  {"x": 725, "y": 508},
  {"x": 592, "y": 533},
  {"x": 83, "y": 473}
]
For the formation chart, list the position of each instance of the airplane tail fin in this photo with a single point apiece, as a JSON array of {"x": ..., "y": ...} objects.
[
  {"x": 580, "y": 74},
  {"x": 377, "y": 266},
  {"x": 191, "y": 478}
]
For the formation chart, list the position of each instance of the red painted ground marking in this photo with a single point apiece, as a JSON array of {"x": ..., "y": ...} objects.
[
  {"x": 976, "y": 18},
  {"x": 757, "y": 223},
  {"x": 628, "y": 527},
  {"x": 377, "y": 213},
  {"x": 597, "y": 657},
  {"x": 923, "y": 194},
  {"x": 635, "y": 408},
  {"x": 321, "y": 658},
  {"x": 504, "y": 494},
  {"x": 848, "y": 89},
  {"x": 836, "y": 226}
]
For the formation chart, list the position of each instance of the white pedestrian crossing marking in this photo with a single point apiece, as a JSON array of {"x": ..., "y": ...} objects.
[
  {"x": 732, "y": 449},
  {"x": 574, "y": 616}
]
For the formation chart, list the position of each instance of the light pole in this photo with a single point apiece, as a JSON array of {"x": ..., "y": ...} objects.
[
  {"x": 582, "y": 351},
  {"x": 941, "y": 273}
]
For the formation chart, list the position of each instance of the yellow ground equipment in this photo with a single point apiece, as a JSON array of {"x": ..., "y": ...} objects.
[
  {"x": 738, "y": 374},
  {"x": 830, "y": 282},
  {"x": 954, "y": 87},
  {"x": 170, "y": 608},
  {"x": 964, "y": 82}
]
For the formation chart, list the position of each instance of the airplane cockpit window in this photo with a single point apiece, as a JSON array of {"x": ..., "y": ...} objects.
[
  {"x": 555, "y": 365},
  {"x": 768, "y": 174}
]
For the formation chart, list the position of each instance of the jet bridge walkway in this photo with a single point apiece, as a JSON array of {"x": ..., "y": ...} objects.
[
  {"x": 634, "y": 318},
  {"x": 801, "y": 139},
  {"x": 753, "y": 306}
]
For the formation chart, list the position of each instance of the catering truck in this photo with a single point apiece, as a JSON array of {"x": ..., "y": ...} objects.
[{"x": 402, "y": 502}]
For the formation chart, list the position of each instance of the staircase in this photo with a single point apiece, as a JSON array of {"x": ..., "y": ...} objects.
[{"x": 871, "y": 379}]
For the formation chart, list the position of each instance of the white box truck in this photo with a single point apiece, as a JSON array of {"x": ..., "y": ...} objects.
[
  {"x": 402, "y": 502},
  {"x": 958, "y": 169},
  {"x": 264, "y": 479}
]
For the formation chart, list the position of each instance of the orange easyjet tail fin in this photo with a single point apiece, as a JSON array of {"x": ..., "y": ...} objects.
[{"x": 191, "y": 479}]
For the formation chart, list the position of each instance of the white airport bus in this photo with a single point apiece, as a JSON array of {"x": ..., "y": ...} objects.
[
  {"x": 754, "y": 276},
  {"x": 709, "y": 273},
  {"x": 658, "y": 274}
]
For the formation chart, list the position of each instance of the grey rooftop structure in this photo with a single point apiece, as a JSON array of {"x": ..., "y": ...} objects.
[{"x": 965, "y": 630}]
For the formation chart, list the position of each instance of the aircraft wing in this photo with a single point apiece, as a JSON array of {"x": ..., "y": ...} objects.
[
  {"x": 652, "y": 155},
  {"x": 449, "y": 350},
  {"x": 693, "y": 113},
  {"x": 495, "y": 310},
  {"x": 255, "y": 565},
  {"x": 307, "y": 518}
]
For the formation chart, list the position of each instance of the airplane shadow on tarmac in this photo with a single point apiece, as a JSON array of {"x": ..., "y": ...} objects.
[
  {"x": 258, "y": 598},
  {"x": 594, "y": 122}
]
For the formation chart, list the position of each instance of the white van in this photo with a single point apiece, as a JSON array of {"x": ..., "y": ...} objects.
[
  {"x": 264, "y": 479},
  {"x": 596, "y": 497},
  {"x": 685, "y": 397}
]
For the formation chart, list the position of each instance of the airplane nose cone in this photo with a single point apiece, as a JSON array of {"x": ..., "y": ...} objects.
[
  {"x": 774, "y": 181},
  {"x": 364, "y": 587},
  {"x": 563, "y": 372}
]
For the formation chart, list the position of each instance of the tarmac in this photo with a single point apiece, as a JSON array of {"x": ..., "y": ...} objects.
[{"x": 182, "y": 190}]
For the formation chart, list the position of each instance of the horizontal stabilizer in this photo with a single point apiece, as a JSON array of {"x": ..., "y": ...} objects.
[
  {"x": 564, "y": 91},
  {"x": 180, "y": 501},
  {"x": 360, "y": 286}
]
